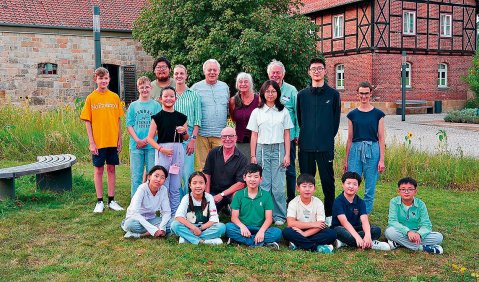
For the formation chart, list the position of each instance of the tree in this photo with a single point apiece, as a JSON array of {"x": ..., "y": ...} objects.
[
  {"x": 472, "y": 78},
  {"x": 243, "y": 35}
]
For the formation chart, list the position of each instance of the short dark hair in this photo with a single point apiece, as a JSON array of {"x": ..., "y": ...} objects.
[
  {"x": 161, "y": 59},
  {"x": 167, "y": 88},
  {"x": 253, "y": 168},
  {"x": 305, "y": 178},
  {"x": 407, "y": 180},
  {"x": 365, "y": 84},
  {"x": 277, "y": 101},
  {"x": 158, "y": 167},
  {"x": 317, "y": 61},
  {"x": 351, "y": 175}
]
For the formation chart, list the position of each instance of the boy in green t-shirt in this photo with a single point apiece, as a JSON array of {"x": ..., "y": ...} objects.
[{"x": 252, "y": 213}]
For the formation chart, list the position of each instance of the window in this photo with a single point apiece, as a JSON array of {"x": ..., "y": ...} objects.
[
  {"x": 408, "y": 75},
  {"x": 47, "y": 68},
  {"x": 409, "y": 23},
  {"x": 338, "y": 26},
  {"x": 442, "y": 75},
  {"x": 340, "y": 77},
  {"x": 445, "y": 25}
]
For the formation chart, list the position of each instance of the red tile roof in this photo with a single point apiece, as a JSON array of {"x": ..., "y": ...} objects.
[
  {"x": 311, "y": 6},
  {"x": 114, "y": 14}
]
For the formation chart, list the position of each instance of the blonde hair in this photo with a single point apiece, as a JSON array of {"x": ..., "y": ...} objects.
[{"x": 143, "y": 80}]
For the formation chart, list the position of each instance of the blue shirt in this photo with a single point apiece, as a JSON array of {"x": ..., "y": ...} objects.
[
  {"x": 289, "y": 96},
  {"x": 365, "y": 124},
  {"x": 214, "y": 107},
  {"x": 352, "y": 211},
  {"x": 138, "y": 116}
]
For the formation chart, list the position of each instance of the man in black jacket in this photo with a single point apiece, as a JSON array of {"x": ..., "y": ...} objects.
[{"x": 319, "y": 110}]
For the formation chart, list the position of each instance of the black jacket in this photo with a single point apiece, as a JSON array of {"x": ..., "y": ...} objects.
[{"x": 319, "y": 110}]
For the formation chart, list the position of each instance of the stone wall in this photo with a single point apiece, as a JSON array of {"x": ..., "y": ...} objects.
[{"x": 21, "y": 52}]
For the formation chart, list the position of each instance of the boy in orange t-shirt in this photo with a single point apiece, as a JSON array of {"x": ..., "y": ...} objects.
[{"x": 102, "y": 113}]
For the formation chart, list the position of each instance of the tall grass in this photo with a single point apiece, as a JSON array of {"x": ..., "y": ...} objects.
[{"x": 26, "y": 133}]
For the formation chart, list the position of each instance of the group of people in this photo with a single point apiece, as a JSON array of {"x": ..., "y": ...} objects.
[{"x": 171, "y": 125}]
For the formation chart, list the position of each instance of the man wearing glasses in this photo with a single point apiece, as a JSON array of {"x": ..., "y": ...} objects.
[
  {"x": 319, "y": 110},
  {"x": 224, "y": 169},
  {"x": 161, "y": 68}
]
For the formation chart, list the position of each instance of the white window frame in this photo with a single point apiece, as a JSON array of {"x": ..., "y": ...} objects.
[
  {"x": 338, "y": 26},
  {"x": 339, "y": 76},
  {"x": 408, "y": 75},
  {"x": 409, "y": 17},
  {"x": 442, "y": 71},
  {"x": 445, "y": 25}
]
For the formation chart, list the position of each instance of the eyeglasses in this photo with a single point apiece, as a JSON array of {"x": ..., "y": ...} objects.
[
  {"x": 270, "y": 92},
  {"x": 316, "y": 69},
  {"x": 232, "y": 136},
  {"x": 161, "y": 67},
  {"x": 406, "y": 190}
]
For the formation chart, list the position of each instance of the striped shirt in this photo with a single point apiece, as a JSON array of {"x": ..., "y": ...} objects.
[{"x": 189, "y": 104}]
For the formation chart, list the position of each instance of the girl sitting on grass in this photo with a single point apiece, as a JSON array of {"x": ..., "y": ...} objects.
[
  {"x": 151, "y": 196},
  {"x": 196, "y": 219}
]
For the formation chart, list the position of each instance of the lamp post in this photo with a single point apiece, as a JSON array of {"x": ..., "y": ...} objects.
[
  {"x": 403, "y": 86},
  {"x": 96, "y": 35}
]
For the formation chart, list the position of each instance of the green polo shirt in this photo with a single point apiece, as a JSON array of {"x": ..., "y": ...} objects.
[
  {"x": 156, "y": 89},
  {"x": 289, "y": 96},
  {"x": 405, "y": 218},
  {"x": 252, "y": 211}
]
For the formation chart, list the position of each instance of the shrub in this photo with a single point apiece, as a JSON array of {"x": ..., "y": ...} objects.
[{"x": 463, "y": 116}]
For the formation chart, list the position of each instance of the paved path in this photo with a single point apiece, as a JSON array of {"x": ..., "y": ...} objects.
[{"x": 461, "y": 138}]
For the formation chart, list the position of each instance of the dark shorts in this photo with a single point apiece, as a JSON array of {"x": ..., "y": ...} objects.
[{"x": 108, "y": 155}]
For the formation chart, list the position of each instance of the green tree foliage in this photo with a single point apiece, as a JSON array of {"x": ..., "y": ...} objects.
[
  {"x": 472, "y": 78},
  {"x": 243, "y": 35}
]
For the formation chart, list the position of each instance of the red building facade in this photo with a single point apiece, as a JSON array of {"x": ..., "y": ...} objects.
[{"x": 363, "y": 40}]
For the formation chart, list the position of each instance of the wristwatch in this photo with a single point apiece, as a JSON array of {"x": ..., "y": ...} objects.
[
  {"x": 222, "y": 194},
  {"x": 193, "y": 137}
]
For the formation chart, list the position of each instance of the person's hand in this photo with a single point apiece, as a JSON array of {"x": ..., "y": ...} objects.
[
  {"x": 320, "y": 224},
  {"x": 217, "y": 198},
  {"x": 253, "y": 160},
  {"x": 414, "y": 237},
  {"x": 359, "y": 242},
  {"x": 381, "y": 166},
  {"x": 196, "y": 230},
  {"x": 141, "y": 144},
  {"x": 367, "y": 242},
  {"x": 180, "y": 129},
  {"x": 245, "y": 232},
  {"x": 299, "y": 231},
  {"x": 190, "y": 147},
  {"x": 259, "y": 237},
  {"x": 167, "y": 152},
  {"x": 120, "y": 145},
  {"x": 160, "y": 233},
  {"x": 296, "y": 140},
  {"x": 286, "y": 161},
  {"x": 93, "y": 149}
]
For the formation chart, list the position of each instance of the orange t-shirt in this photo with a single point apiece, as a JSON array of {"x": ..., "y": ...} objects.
[{"x": 103, "y": 111}]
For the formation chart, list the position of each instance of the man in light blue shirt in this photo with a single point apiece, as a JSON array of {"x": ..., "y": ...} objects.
[
  {"x": 276, "y": 72},
  {"x": 214, "y": 109}
]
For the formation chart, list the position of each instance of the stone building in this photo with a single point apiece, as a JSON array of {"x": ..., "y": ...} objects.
[
  {"x": 47, "y": 49},
  {"x": 363, "y": 40}
]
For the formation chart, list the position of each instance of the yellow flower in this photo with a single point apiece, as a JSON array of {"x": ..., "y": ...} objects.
[
  {"x": 409, "y": 135},
  {"x": 475, "y": 274},
  {"x": 122, "y": 103},
  {"x": 455, "y": 266}
]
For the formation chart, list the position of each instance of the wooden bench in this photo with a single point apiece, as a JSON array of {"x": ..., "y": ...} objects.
[
  {"x": 414, "y": 107},
  {"x": 53, "y": 173}
]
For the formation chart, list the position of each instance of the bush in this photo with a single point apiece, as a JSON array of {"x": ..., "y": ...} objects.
[
  {"x": 463, "y": 116},
  {"x": 471, "y": 104}
]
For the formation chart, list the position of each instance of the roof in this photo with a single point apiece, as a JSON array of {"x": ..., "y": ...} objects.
[
  {"x": 311, "y": 6},
  {"x": 75, "y": 14}
]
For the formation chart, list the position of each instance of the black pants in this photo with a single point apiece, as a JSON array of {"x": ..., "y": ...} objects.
[{"x": 324, "y": 160}]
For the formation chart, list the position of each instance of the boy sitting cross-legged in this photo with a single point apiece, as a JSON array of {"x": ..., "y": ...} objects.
[
  {"x": 252, "y": 213},
  {"x": 409, "y": 223},
  {"x": 350, "y": 219},
  {"x": 307, "y": 229}
]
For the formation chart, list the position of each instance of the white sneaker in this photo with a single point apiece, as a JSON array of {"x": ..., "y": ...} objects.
[
  {"x": 393, "y": 244},
  {"x": 338, "y": 244},
  {"x": 115, "y": 206},
  {"x": 130, "y": 234},
  {"x": 215, "y": 241},
  {"x": 380, "y": 246},
  {"x": 99, "y": 207},
  {"x": 328, "y": 220},
  {"x": 279, "y": 222},
  {"x": 273, "y": 245},
  {"x": 181, "y": 240}
]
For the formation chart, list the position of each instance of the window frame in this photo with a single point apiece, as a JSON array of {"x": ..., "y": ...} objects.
[
  {"x": 443, "y": 24},
  {"x": 407, "y": 31},
  {"x": 339, "y": 70},
  {"x": 338, "y": 19},
  {"x": 47, "y": 69},
  {"x": 442, "y": 71}
]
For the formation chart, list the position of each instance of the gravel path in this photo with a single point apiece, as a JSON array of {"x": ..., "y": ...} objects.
[{"x": 461, "y": 138}]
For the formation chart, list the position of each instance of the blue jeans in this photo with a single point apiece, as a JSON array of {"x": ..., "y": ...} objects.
[
  {"x": 364, "y": 159},
  {"x": 323, "y": 237},
  {"x": 215, "y": 231},
  {"x": 135, "y": 226},
  {"x": 291, "y": 173},
  {"x": 272, "y": 234},
  {"x": 188, "y": 166},
  {"x": 346, "y": 237},
  {"x": 139, "y": 158}
]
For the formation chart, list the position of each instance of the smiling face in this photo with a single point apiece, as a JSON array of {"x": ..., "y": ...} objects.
[
  {"x": 276, "y": 73},
  {"x": 252, "y": 179},
  {"x": 156, "y": 179},
  {"x": 407, "y": 191},
  {"x": 102, "y": 81},
  {"x": 180, "y": 75},
  {"x": 198, "y": 185},
  {"x": 168, "y": 98},
  {"x": 364, "y": 95},
  {"x": 270, "y": 95},
  {"x": 306, "y": 190},
  {"x": 350, "y": 187},
  {"x": 162, "y": 71},
  {"x": 228, "y": 138},
  {"x": 243, "y": 85},
  {"x": 211, "y": 72},
  {"x": 144, "y": 89}
]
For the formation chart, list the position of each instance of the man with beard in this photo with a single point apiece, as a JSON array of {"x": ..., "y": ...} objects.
[{"x": 161, "y": 68}]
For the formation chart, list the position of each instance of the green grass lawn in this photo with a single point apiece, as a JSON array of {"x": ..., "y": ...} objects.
[{"x": 46, "y": 236}]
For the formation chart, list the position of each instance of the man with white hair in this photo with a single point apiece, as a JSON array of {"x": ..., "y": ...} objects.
[
  {"x": 276, "y": 72},
  {"x": 214, "y": 109}
]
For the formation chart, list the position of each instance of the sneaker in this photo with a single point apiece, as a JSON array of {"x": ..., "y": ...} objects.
[
  {"x": 393, "y": 244},
  {"x": 325, "y": 249},
  {"x": 99, "y": 207},
  {"x": 433, "y": 249},
  {"x": 279, "y": 222},
  {"x": 115, "y": 206},
  {"x": 292, "y": 246},
  {"x": 380, "y": 246},
  {"x": 215, "y": 241},
  {"x": 328, "y": 220},
  {"x": 228, "y": 242},
  {"x": 130, "y": 234},
  {"x": 272, "y": 245},
  {"x": 181, "y": 240},
  {"x": 338, "y": 244}
]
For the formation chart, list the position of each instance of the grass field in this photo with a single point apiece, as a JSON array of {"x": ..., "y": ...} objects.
[{"x": 57, "y": 237}]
